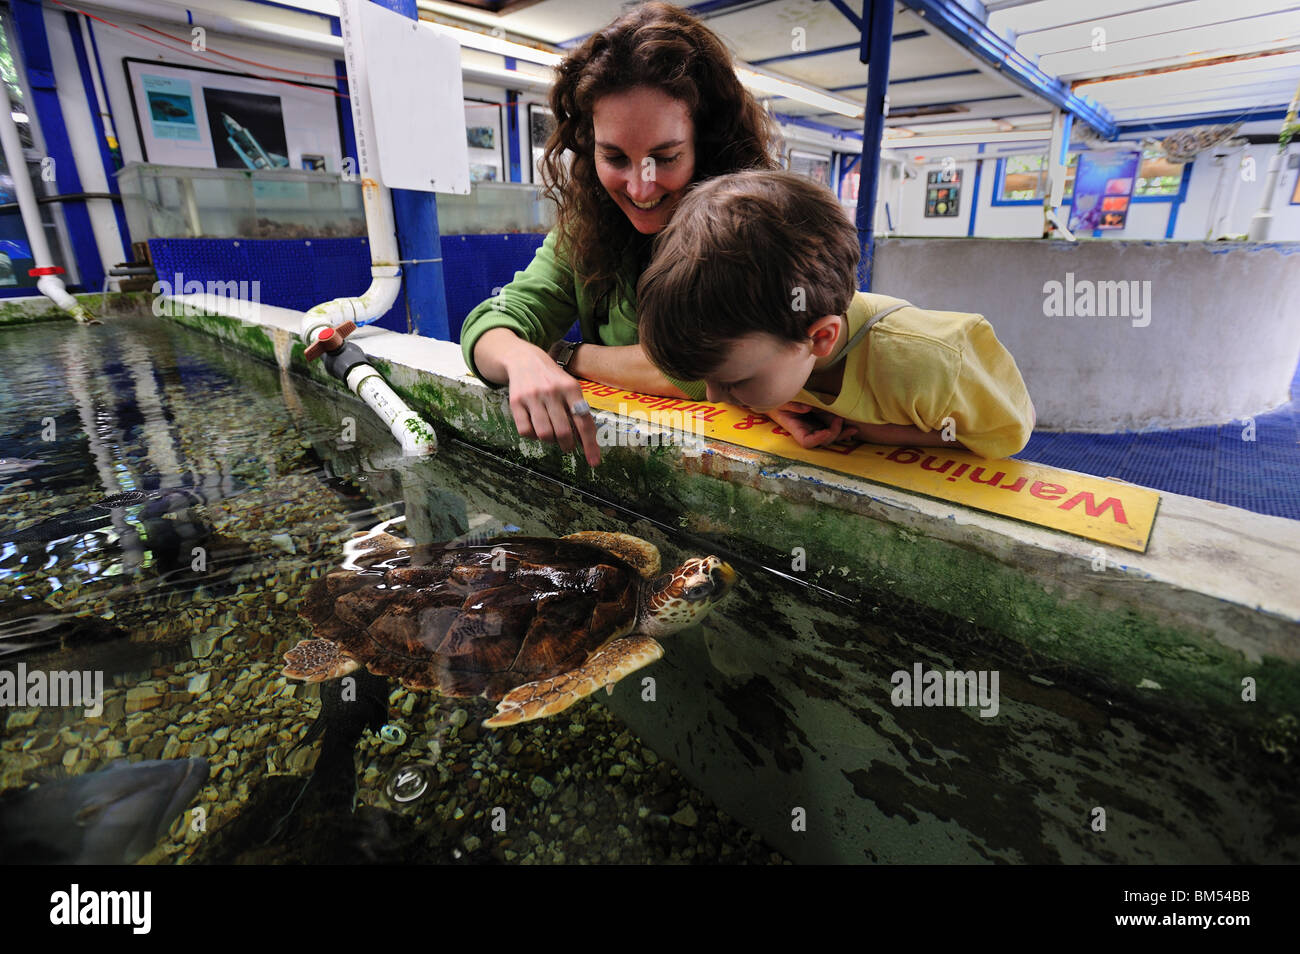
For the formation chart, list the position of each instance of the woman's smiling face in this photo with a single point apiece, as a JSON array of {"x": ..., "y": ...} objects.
[{"x": 645, "y": 153}]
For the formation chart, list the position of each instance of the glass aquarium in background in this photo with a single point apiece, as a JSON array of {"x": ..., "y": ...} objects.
[
  {"x": 496, "y": 207},
  {"x": 184, "y": 202}
]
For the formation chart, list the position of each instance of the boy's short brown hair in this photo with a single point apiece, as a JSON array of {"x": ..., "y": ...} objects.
[{"x": 751, "y": 251}]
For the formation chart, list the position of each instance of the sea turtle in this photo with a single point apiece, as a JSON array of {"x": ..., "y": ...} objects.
[{"x": 532, "y": 623}]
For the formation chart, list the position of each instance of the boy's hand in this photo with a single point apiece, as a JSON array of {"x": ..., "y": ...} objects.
[{"x": 810, "y": 427}]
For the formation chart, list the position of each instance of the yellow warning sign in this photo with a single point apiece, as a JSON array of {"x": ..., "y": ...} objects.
[{"x": 1091, "y": 507}]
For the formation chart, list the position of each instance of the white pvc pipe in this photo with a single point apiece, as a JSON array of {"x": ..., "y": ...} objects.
[
  {"x": 51, "y": 286},
  {"x": 411, "y": 430},
  {"x": 385, "y": 274}
]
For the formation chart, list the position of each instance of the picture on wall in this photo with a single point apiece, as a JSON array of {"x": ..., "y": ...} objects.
[
  {"x": 1103, "y": 190},
  {"x": 942, "y": 193},
  {"x": 206, "y": 118},
  {"x": 480, "y": 137},
  {"x": 171, "y": 108},
  {"x": 541, "y": 123},
  {"x": 247, "y": 129},
  {"x": 811, "y": 165},
  {"x": 483, "y": 136}
]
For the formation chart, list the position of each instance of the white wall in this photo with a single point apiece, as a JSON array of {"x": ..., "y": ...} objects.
[{"x": 1193, "y": 216}]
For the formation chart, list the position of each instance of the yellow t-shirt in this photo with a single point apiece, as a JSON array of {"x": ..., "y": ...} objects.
[{"x": 919, "y": 367}]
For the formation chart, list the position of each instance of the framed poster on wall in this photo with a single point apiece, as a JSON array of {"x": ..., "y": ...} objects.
[
  {"x": 541, "y": 123},
  {"x": 1103, "y": 189},
  {"x": 484, "y": 135},
  {"x": 942, "y": 193},
  {"x": 195, "y": 116}
]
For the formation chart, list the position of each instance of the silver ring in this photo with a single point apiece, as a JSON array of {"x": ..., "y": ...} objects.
[{"x": 581, "y": 408}]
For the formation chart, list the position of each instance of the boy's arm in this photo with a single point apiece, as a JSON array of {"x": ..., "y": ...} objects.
[
  {"x": 813, "y": 427},
  {"x": 901, "y": 434}
]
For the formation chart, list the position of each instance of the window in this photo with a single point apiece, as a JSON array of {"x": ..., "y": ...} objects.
[
  {"x": 1157, "y": 176},
  {"x": 1071, "y": 167},
  {"x": 1024, "y": 178}
]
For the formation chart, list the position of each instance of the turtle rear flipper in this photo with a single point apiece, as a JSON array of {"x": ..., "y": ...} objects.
[
  {"x": 315, "y": 660},
  {"x": 545, "y": 697}
]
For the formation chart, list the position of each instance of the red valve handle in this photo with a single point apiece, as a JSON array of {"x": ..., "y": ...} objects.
[{"x": 331, "y": 340}]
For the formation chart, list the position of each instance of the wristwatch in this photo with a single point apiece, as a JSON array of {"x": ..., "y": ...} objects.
[{"x": 562, "y": 351}]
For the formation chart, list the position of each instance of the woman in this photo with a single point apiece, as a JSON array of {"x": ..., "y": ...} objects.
[{"x": 643, "y": 108}]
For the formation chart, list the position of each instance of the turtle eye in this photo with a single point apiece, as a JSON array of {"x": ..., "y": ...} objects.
[{"x": 699, "y": 591}]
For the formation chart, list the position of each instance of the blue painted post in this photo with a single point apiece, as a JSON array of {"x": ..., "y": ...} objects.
[
  {"x": 975, "y": 194},
  {"x": 512, "y": 126},
  {"x": 419, "y": 242},
  {"x": 101, "y": 135},
  {"x": 29, "y": 25},
  {"x": 877, "y": 35},
  {"x": 1178, "y": 200}
]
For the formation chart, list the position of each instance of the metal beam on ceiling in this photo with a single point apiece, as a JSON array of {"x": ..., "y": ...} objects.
[
  {"x": 974, "y": 35},
  {"x": 827, "y": 50}
]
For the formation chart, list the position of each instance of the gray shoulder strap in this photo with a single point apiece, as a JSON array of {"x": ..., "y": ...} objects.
[{"x": 864, "y": 329}]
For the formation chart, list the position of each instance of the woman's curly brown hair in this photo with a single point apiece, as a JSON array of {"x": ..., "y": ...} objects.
[{"x": 661, "y": 46}]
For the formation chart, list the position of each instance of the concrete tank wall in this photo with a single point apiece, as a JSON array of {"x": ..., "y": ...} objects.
[{"x": 1206, "y": 333}]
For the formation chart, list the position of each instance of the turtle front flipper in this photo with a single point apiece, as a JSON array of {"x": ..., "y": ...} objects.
[
  {"x": 315, "y": 660},
  {"x": 545, "y": 697},
  {"x": 642, "y": 554}
]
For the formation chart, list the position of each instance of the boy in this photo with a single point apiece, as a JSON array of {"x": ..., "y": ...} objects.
[{"x": 769, "y": 261}]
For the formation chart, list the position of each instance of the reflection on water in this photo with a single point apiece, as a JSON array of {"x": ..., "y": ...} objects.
[{"x": 167, "y": 504}]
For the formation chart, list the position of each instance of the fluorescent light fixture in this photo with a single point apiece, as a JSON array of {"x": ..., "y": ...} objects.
[
  {"x": 765, "y": 82},
  {"x": 758, "y": 80},
  {"x": 19, "y": 117},
  {"x": 495, "y": 44},
  {"x": 921, "y": 140}
]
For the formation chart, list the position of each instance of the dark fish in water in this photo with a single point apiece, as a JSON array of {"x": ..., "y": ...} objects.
[
  {"x": 347, "y": 711},
  {"x": 110, "y": 817},
  {"x": 97, "y": 515}
]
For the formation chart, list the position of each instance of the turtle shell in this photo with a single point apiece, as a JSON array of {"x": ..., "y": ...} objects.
[{"x": 480, "y": 619}]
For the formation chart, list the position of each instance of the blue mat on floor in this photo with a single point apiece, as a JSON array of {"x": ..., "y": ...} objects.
[{"x": 1212, "y": 463}]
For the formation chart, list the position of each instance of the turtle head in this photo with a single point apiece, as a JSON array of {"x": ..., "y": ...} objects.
[{"x": 683, "y": 597}]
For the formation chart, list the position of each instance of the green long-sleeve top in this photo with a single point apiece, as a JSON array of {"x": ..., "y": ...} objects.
[{"x": 542, "y": 301}]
